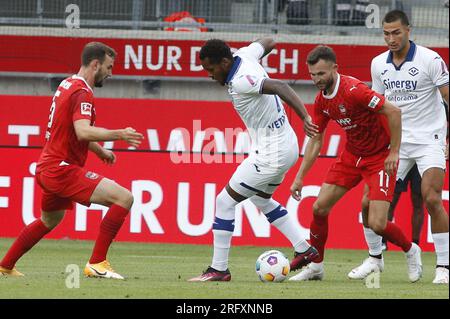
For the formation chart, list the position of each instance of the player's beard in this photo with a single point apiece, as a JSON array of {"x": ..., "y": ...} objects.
[
  {"x": 328, "y": 85},
  {"x": 98, "y": 80}
]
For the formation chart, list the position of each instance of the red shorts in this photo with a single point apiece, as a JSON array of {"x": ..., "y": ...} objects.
[
  {"x": 63, "y": 185},
  {"x": 349, "y": 170}
]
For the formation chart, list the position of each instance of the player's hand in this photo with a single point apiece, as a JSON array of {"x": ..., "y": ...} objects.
[
  {"x": 390, "y": 164},
  {"x": 309, "y": 127},
  {"x": 132, "y": 137},
  {"x": 107, "y": 156},
  {"x": 296, "y": 189}
]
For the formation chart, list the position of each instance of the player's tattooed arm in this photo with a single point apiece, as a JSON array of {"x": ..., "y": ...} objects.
[
  {"x": 268, "y": 44},
  {"x": 288, "y": 95},
  {"x": 86, "y": 132}
]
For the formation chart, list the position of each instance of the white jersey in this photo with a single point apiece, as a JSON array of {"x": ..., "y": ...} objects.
[
  {"x": 264, "y": 116},
  {"x": 414, "y": 88}
]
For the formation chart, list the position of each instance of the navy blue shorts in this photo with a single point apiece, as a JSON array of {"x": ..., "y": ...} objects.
[{"x": 413, "y": 177}]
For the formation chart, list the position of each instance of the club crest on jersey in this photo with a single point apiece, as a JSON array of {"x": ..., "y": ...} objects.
[
  {"x": 86, "y": 109},
  {"x": 342, "y": 108},
  {"x": 91, "y": 175},
  {"x": 413, "y": 71},
  {"x": 374, "y": 101}
]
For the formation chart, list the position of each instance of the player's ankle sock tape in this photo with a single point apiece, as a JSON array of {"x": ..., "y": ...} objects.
[
  {"x": 374, "y": 242},
  {"x": 441, "y": 247}
]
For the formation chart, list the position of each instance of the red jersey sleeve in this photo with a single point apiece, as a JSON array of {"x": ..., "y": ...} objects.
[
  {"x": 363, "y": 96},
  {"x": 82, "y": 105},
  {"x": 320, "y": 117}
]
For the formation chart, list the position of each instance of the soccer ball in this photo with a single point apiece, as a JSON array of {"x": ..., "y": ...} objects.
[{"x": 272, "y": 266}]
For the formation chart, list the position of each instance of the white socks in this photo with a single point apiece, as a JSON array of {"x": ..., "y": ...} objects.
[
  {"x": 223, "y": 228},
  {"x": 441, "y": 248},
  {"x": 278, "y": 216},
  {"x": 374, "y": 242}
]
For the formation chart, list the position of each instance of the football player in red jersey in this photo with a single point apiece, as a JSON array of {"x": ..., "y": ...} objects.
[
  {"x": 373, "y": 129},
  {"x": 60, "y": 170}
]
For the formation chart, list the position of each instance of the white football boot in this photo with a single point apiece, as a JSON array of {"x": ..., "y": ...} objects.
[
  {"x": 414, "y": 263},
  {"x": 314, "y": 271},
  {"x": 441, "y": 276},
  {"x": 369, "y": 265}
]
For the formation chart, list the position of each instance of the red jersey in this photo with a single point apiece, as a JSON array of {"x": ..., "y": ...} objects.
[
  {"x": 353, "y": 105},
  {"x": 73, "y": 100}
]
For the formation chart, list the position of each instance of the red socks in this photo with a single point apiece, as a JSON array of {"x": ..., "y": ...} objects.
[
  {"x": 34, "y": 232},
  {"x": 108, "y": 230},
  {"x": 29, "y": 237},
  {"x": 395, "y": 235},
  {"x": 319, "y": 234}
]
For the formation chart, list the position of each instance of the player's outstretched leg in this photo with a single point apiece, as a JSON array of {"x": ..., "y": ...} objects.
[
  {"x": 318, "y": 235},
  {"x": 119, "y": 201},
  {"x": 328, "y": 196},
  {"x": 223, "y": 228},
  {"x": 29, "y": 237},
  {"x": 279, "y": 217}
]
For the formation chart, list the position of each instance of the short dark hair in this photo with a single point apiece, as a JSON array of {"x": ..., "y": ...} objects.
[
  {"x": 96, "y": 50},
  {"x": 215, "y": 50},
  {"x": 321, "y": 52},
  {"x": 396, "y": 15}
]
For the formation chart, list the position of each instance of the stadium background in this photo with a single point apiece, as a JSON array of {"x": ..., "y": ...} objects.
[{"x": 159, "y": 89}]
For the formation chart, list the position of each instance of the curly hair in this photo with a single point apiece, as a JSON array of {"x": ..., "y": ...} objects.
[{"x": 215, "y": 50}]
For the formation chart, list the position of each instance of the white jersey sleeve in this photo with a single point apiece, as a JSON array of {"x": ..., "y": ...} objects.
[
  {"x": 254, "y": 51},
  {"x": 248, "y": 84},
  {"x": 438, "y": 71},
  {"x": 377, "y": 85}
]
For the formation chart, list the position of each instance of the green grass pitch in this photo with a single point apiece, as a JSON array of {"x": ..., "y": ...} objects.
[{"x": 161, "y": 270}]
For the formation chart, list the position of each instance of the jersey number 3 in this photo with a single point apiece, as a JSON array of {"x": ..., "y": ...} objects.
[{"x": 52, "y": 114}]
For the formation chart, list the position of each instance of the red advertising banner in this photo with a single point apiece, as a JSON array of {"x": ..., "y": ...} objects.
[
  {"x": 167, "y": 125},
  {"x": 174, "y": 191},
  {"x": 170, "y": 58},
  {"x": 174, "y": 203}
]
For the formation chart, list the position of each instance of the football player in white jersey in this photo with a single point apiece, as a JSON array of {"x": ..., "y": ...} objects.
[
  {"x": 274, "y": 150},
  {"x": 415, "y": 79}
]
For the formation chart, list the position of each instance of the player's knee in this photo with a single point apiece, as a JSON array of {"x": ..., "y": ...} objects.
[
  {"x": 432, "y": 200},
  {"x": 319, "y": 209},
  {"x": 52, "y": 220},
  {"x": 123, "y": 198},
  {"x": 377, "y": 226},
  {"x": 128, "y": 199}
]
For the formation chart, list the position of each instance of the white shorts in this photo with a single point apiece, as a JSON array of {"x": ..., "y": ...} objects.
[
  {"x": 424, "y": 155},
  {"x": 251, "y": 178}
]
